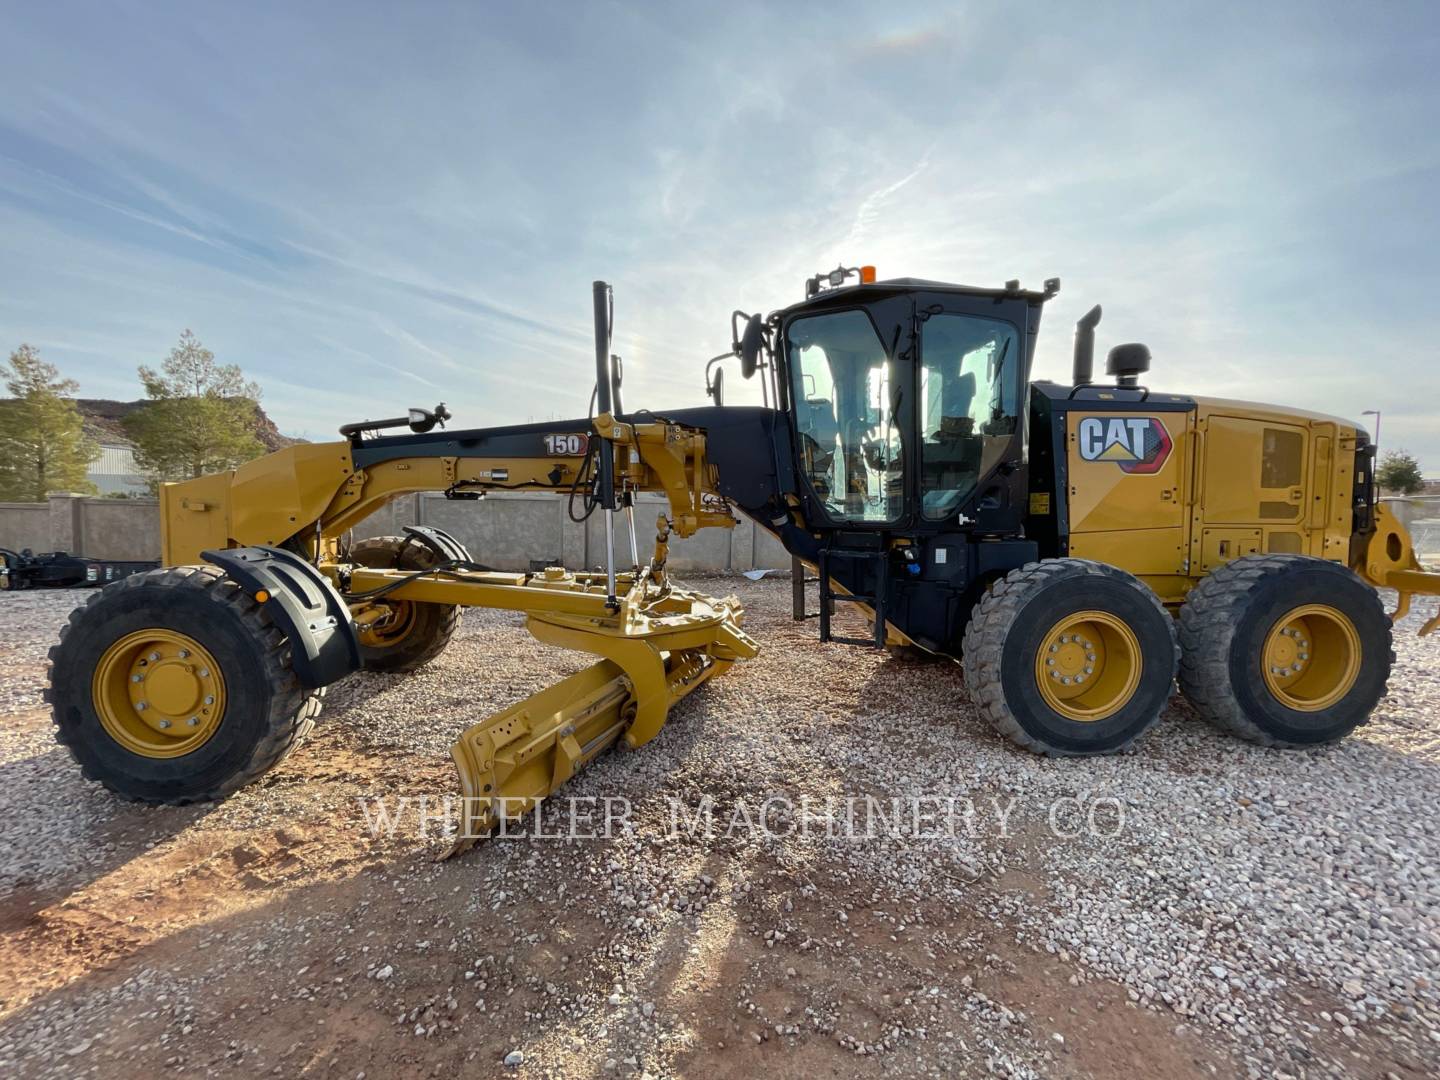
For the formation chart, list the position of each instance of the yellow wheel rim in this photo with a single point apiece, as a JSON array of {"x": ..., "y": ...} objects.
[
  {"x": 159, "y": 694},
  {"x": 1311, "y": 657},
  {"x": 1088, "y": 666},
  {"x": 391, "y": 630}
]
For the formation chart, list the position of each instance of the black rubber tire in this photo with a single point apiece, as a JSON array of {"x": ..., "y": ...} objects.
[
  {"x": 1223, "y": 626},
  {"x": 1008, "y": 628},
  {"x": 435, "y": 624},
  {"x": 268, "y": 712}
]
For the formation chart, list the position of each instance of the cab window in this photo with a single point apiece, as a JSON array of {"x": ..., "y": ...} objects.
[
  {"x": 969, "y": 395},
  {"x": 844, "y": 390}
]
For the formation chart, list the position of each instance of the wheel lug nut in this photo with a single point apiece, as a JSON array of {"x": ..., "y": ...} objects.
[
  {"x": 141, "y": 706},
  {"x": 204, "y": 673},
  {"x": 1304, "y": 656},
  {"x": 210, "y": 701},
  {"x": 1066, "y": 680},
  {"x": 1079, "y": 678},
  {"x": 136, "y": 678},
  {"x": 1090, "y": 657},
  {"x": 154, "y": 657},
  {"x": 1050, "y": 660},
  {"x": 1089, "y": 671},
  {"x": 184, "y": 653},
  {"x": 164, "y": 723},
  {"x": 194, "y": 721}
]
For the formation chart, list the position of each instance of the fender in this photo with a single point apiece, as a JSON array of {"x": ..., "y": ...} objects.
[
  {"x": 324, "y": 646},
  {"x": 445, "y": 546}
]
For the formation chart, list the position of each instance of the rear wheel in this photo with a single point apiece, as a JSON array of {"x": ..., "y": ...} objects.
[
  {"x": 413, "y": 633},
  {"x": 1284, "y": 650},
  {"x": 173, "y": 686},
  {"x": 1068, "y": 656}
]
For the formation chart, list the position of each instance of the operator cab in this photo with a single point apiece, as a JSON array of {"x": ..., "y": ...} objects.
[{"x": 906, "y": 399}]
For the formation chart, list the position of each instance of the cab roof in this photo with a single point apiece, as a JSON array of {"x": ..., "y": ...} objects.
[{"x": 850, "y": 293}]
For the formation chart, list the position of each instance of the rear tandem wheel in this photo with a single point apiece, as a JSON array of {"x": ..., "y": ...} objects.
[{"x": 1284, "y": 650}]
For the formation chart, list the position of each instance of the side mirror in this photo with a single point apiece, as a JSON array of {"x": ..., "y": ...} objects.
[
  {"x": 752, "y": 341},
  {"x": 716, "y": 389}
]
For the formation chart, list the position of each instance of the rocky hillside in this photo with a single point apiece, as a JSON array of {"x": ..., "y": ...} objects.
[{"x": 104, "y": 422}]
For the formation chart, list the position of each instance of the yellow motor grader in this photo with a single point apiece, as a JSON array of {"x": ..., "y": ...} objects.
[{"x": 1075, "y": 547}]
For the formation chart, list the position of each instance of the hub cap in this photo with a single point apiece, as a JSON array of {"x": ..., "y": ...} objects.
[
  {"x": 158, "y": 693},
  {"x": 1088, "y": 666},
  {"x": 1311, "y": 657}
]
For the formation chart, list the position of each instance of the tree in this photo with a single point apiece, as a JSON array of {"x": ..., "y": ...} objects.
[
  {"x": 43, "y": 445},
  {"x": 1400, "y": 472},
  {"x": 200, "y": 417}
]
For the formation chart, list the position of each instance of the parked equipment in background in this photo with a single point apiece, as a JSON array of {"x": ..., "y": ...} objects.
[
  {"x": 1074, "y": 546},
  {"x": 59, "y": 570}
]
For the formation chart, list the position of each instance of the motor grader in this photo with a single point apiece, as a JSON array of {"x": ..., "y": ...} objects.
[{"x": 1074, "y": 547}]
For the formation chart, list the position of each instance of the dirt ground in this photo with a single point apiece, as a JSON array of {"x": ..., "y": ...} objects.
[{"x": 276, "y": 934}]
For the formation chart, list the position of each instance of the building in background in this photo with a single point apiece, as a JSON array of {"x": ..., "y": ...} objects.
[{"x": 115, "y": 472}]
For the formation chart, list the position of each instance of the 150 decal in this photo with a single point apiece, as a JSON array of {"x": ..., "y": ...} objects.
[
  {"x": 568, "y": 445},
  {"x": 1138, "y": 444}
]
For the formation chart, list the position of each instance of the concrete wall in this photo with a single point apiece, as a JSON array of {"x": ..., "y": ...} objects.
[
  {"x": 24, "y": 525},
  {"x": 84, "y": 525},
  {"x": 1421, "y": 517},
  {"x": 119, "y": 528},
  {"x": 1412, "y": 508},
  {"x": 505, "y": 530}
]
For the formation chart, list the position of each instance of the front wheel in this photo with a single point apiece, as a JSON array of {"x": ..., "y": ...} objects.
[
  {"x": 173, "y": 686},
  {"x": 1070, "y": 657},
  {"x": 1284, "y": 650}
]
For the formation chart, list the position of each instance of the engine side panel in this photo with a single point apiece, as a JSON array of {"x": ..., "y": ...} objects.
[
  {"x": 1171, "y": 488},
  {"x": 1272, "y": 480}
]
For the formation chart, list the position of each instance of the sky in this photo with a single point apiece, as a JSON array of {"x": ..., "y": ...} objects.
[{"x": 373, "y": 206}]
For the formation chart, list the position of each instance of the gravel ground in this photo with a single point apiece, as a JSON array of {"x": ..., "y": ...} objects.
[{"x": 1196, "y": 907}]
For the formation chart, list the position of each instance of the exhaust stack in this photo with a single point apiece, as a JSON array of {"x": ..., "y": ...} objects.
[{"x": 1084, "y": 370}]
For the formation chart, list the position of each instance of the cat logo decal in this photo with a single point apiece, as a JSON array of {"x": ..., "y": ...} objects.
[{"x": 1138, "y": 444}]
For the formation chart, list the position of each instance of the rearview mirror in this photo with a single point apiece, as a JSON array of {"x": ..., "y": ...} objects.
[
  {"x": 716, "y": 389},
  {"x": 751, "y": 343}
]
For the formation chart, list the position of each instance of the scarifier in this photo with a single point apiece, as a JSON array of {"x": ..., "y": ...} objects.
[{"x": 1074, "y": 546}]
